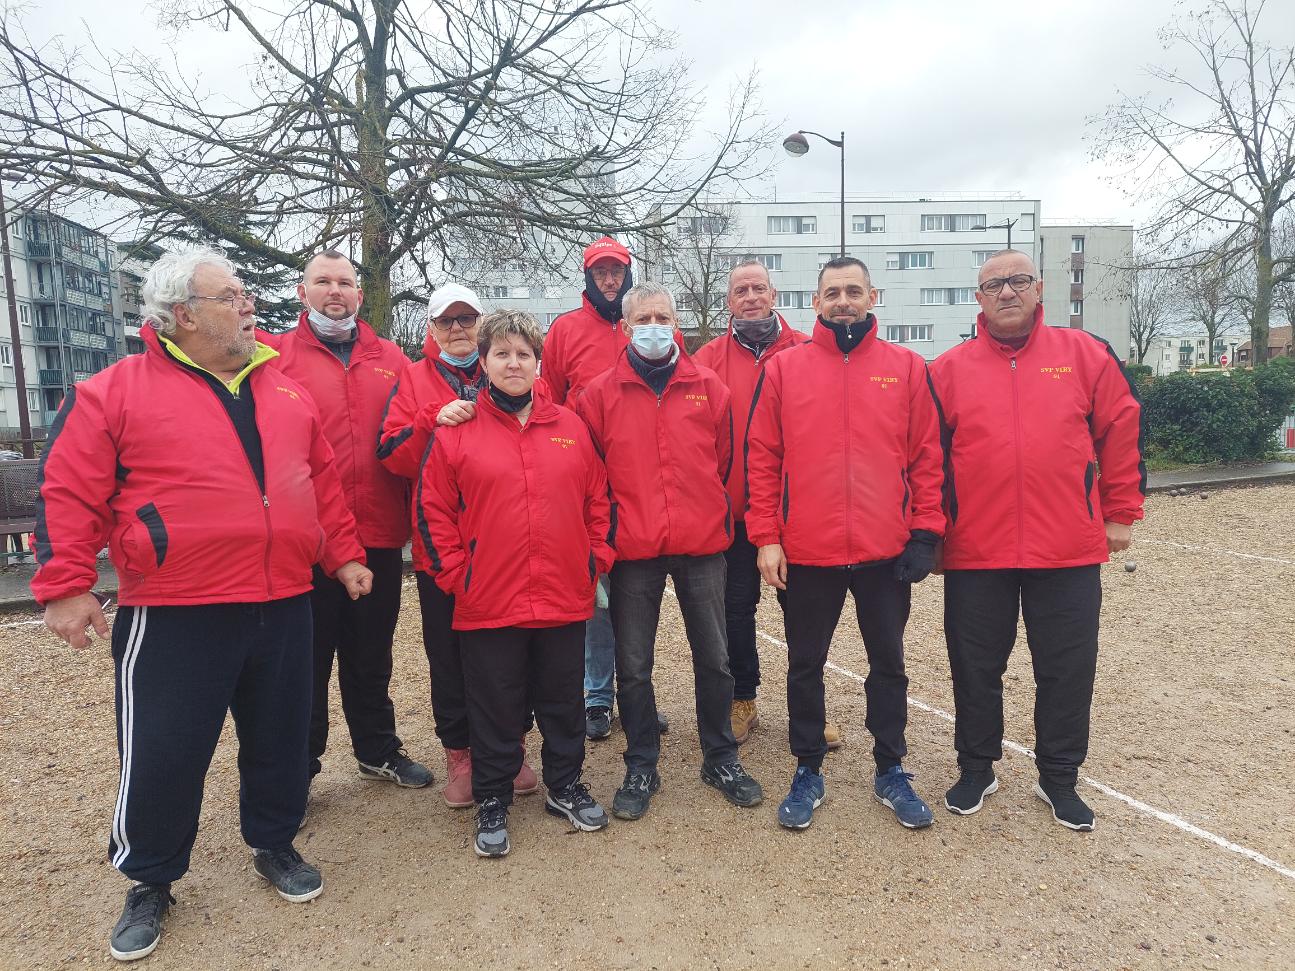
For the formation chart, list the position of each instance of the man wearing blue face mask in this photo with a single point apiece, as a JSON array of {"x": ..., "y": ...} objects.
[
  {"x": 350, "y": 372},
  {"x": 665, "y": 430}
]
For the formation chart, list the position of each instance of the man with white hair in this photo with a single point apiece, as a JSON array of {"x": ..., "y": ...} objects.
[
  {"x": 351, "y": 373},
  {"x": 665, "y": 430},
  {"x": 206, "y": 471}
]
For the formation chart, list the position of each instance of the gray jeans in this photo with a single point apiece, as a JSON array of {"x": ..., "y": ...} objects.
[{"x": 636, "y": 590}]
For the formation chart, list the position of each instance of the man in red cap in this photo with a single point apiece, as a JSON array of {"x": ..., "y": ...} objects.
[{"x": 581, "y": 345}]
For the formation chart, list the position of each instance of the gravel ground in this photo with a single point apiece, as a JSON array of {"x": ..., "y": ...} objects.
[{"x": 1192, "y": 716}]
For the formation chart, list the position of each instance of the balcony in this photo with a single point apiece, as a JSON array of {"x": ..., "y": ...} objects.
[
  {"x": 39, "y": 251},
  {"x": 49, "y": 335},
  {"x": 51, "y": 378}
]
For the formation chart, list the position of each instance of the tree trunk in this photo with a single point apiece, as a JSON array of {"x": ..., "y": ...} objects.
[
  {"x": 375, "y": 208},
  {"x": 1263, "y": 294}
]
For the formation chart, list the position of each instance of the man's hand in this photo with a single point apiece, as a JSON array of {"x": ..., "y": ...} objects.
[
  {"x": 1118, "y": 537},
  {"x": 356, "y": 577},
  {"x": 72, "y": 617},
  {"x": 772, "y": 564},
  {"x": 938, "y": 569},
  {"x": 918, "y": 559},
  {"x": 456, "y": 413}
]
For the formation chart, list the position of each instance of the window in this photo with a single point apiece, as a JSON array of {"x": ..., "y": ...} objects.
[
  {"x": 795, "y": 299},
  {"x": 909, "y": 261},
  {"x": 1027, "y": 222},
  {"x": 953, "y": 223},
  {"x": 962, "y": 295},
  {"x": 22, "y": 313},
  {"x": 703, "y": 225},
  {"x": 499, "y": 293},
  {"x": 931, "y": 298},
  {"x": 1076, "y": 244},
  {"x": 1076, "y": 308},
  {"x": 6, "y": 355},
  {"x": 770, "y": 261},
  {"x": 868, "y": 224},
  {"x": 824, "y": 257},
  {"x": 1077, "y": 277},
  {"x": 550, "y": 318},
  {"x": 904, "y": 333},
  {"x": 881, "y": 298},
  {"x": 33, "y": 402},
  {"x": 792, "y": 224},
  {"x": 980, "y": 257}
]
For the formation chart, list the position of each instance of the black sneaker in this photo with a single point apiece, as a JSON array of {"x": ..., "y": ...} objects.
[
  {"x": 632, "y": 798},
  {"x": 400, "y": 769},
  {"x": 293, "y": 877},
  {"x": 576, "y": 806},
  {"x": 731, "y": 780},
  {"x": 1067, "y": 808},
  {"x": 969, "y": 792},
  {"x": 492, "y": 829},
  {"x": 140, "y": 926},
  {"x": 598, "y": 722}
]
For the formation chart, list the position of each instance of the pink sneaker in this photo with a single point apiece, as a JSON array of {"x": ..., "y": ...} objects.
[
  {"x": 525, "y": 783},
  {"x": 458, "y": 778}
]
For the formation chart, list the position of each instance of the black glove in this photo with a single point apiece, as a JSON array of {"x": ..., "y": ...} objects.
[{"x": 918, "y": 559}]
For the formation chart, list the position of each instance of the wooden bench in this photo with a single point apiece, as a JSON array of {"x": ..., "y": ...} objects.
[{"x": 17, "y": 502}]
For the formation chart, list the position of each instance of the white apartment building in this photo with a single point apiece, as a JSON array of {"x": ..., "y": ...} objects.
[
  {"x": 1084, "y": 283},
  {"x": 1181, "y": 353}
]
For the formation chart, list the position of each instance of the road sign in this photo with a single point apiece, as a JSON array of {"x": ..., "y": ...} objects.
[{"x": 1223, "y": 360}]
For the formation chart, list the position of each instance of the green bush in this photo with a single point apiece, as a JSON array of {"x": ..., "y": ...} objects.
[
  {"x": 1139, "y": 372},
  {"x": 1224, "y": 417}
]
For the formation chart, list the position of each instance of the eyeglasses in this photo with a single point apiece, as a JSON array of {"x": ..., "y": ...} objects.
[
  {"x": 465, "y": 321},
  {"x": 231, "y": 300},
  {"x": 1017, "y": 281}
]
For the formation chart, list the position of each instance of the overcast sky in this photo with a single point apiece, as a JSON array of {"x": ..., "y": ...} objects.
[{"x": 933, "y": 95}]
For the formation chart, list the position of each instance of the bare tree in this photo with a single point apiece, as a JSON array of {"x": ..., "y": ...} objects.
[
  {"x": 705, "y": 248},
  {"x": 1222, "y": 150},
  {"x": 1208, "y": 290},
  {"x": 1152, "y": 294},
  {"x": 413, "y": 135}
]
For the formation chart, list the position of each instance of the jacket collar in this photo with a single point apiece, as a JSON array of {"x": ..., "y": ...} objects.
[
  {"x": 997, "y": 347},
  {"x": 786, "y": 335},
  {"x": 366, "y": 340},
  {"x": 684, "y": 370},
  {"x": 168, "y": 351},
  {"x": 542, "y": 407},
  {"x": 824, "y": 337}
]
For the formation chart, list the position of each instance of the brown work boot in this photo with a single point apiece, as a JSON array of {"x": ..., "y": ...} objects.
[
  {"x": 525, "y": 783},
  {"x": 458, "y": 778},
  {"x": 745, "y": 718},
  {"x": 832, "y": 736}
]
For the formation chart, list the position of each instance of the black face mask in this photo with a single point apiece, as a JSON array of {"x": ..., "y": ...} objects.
[
  {"x": 509, "y": 403},
  {"x": 609, "y": 310}
]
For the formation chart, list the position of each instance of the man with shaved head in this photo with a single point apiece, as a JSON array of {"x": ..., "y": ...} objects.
[{"x": 1043, "y": 481}]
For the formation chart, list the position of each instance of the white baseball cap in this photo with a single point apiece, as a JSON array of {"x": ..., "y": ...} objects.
[{"x": 451, "y": 293}]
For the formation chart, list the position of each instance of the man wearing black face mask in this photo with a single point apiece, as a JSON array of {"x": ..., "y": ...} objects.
[
  {"x": 581, "y": 345},
  {"x": 844, "y": 471}
]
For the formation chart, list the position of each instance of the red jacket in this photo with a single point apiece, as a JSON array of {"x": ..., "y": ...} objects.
[
  {"x": 843, "y": 452},
  {"x": 515, "y": 517},
  {"x": 144, "y": 457},
  {"x": 739, "y": 369},
  {"x": 579, "y": 346},
  {"x": 350, "y": 399},
  {"x": 667, "y": 459},
  {"x": 1025, "y": 434}
]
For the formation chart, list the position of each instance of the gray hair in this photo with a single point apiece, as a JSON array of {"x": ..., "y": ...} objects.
[
  {"x": 645, "y": 291},
  {"x": 746, "y": 262},
  {"x": 170, "y": 281}
]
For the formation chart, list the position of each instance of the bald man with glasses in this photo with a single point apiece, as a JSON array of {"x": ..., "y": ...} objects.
[{"x": 1043, "y": 480}]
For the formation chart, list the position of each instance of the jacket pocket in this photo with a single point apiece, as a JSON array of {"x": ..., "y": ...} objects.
[
  {"x": 472, "y": 553},
  {"x": 786, "y": 496},
  {"x": 593, "y": 568},
  {"x": 152, "y": 520},
  {"x": 903, "y": 503},
  {"x": 1090, "y": 473}
]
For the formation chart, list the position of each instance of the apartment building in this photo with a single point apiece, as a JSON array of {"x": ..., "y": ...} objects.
[
  {"x": 1085, "y": 284},
  {"x": 64, "y": 287}
]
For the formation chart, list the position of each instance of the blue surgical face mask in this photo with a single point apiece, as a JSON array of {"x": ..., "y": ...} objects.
[
  {"x": 463, "y": 362},
  {"x": 653, "y": 341}
]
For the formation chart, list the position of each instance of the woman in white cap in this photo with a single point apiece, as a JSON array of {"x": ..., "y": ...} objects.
[{"x": 442, "y": 388}]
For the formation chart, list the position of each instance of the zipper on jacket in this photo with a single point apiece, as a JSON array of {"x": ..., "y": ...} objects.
[
  {"x": 845, "y": 398},
  {"x": 265, "y": 499},
  {"x": 1020, "y": 468}
]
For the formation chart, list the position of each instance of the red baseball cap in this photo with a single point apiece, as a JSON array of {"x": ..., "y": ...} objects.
[{"x": 606, "y": 248}]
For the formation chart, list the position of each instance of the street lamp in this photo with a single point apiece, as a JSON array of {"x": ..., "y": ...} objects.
[
  {"x": 797, "y": 144},
  {"x": 1005, "y": 224}
]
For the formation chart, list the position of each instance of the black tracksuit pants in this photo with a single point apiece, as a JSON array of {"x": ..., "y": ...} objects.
[
  {"x": 507, "y": 669},
  {"x": 359, "y": 633},
  {"x": 812, "y": 606},
  {"x": 179, "y": 670},
  {"x": 1061, "y": 609},
  {"x": 444, "y": 663}
]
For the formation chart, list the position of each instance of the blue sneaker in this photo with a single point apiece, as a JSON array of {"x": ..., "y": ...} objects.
[
  {"x": 895, "y": 793},
  {"x": 807, "y": 793}
]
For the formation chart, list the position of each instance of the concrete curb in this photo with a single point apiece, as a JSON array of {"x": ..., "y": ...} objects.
[{"x": 1231, "y": 483}]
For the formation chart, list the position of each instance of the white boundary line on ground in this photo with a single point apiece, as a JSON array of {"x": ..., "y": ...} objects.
[
  {"x": 1216, "y": 552},
  {"x": 1176, "y": 821}
]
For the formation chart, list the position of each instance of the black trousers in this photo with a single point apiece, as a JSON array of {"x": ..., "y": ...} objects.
[
  {"x": 179, "y": 670},
  {"x": 1061, "y": 610},
  {"x": 507, "y": 670},
  {"x": 359, "y": 634},
  {"x": 444, "y": 662},
  {"x": 811, "y": 608},
  {"x": 741, "y": 597}
]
